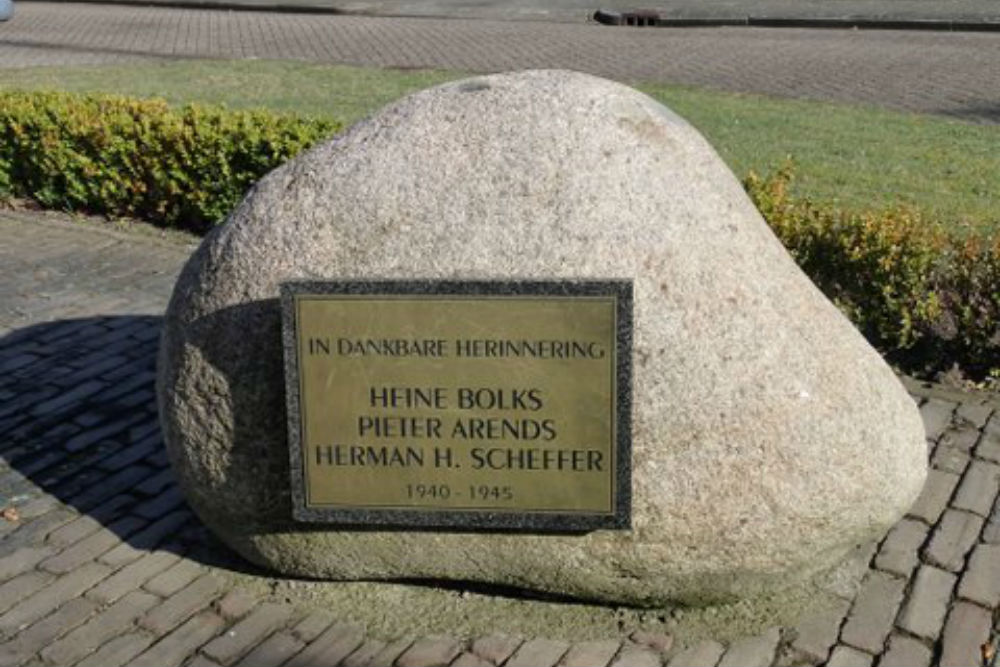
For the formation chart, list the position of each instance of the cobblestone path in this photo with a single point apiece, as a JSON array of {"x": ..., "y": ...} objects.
[
  {"x": 957, "y": 74},
  {"x": 105, "y": 565}
]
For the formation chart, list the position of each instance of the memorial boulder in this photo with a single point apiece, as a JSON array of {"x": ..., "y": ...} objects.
[{"x": 768, "y": 439}]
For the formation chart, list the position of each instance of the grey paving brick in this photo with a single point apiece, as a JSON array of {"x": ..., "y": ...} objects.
[
  {"x": 435, "y": 651},
  {"x": 91, "y": 546},
  {"x": 121, "y": 554},
  {"x": 112, "y": 508},
  {"x": 817, "y": 633},
  {"x": 496, "y": 647},
  {"x": 950, "y": 458},
  {"x": 94, "y": 435},
  {"x": 335, "y": 644},
  {"x": 33, "y": 532},
  {"x": 906, "y": 652},
  {"x": 182, "y": 642},
  {"x": 25, "y": 401},
  {"x": 19, "y": 361},
  {"x": 590, "y": 653},
  {"x": 31, "y": 640},
  {"x": 935, "y": 495},
  {"x": 131, "y": 453},
  {"x": 925, "y": 608},
  {"x": 160, "y": 459},
  {"x": 845, "y": 580},
  {"x": 73, "y": 477},
  {"x": 235, "y": 604},
  {"x": 33, "y": 463},
  {"x": 538, "y": 653},
  {"x": 174, "y": 578},
  {"x": 192, "y": 598},
  {"x": 312, "y": 626},
  {"x": 7, "y": 527},
  {"x": 165, "y": 502},
  {"x": 703, "y": 654},
  {"x": 46, "y": 600},
  {"x": 59, "y": 432},
  {"x": 20, "y": 587},
  {"x": 988, "y": 446},
  {"x": 273, "y": 651},
  {"x": 67, "y": 398},
  {"x": 127, "y": 386},
  {"x": 201, "y": 661},
  {"x": 148, "y": 538},
  {"x": 753, "y": 651},
  {"x": 130, "y": 371},
  {"x": 658, "y": 641},
  {"x": 979, "y": 488},
  {"x": 118, "y": 651},
  {"x": 846, "y": 656},
  {"x": 974, "y": 414},
  {"x": 73, "y": 531},
  {"x": 980, "y": 582},
  {"x": 132, "y": 576},
  {"x": 94, "y": 369},
  {"x": 112, "y": 485},
  {"x": 105, "y": 626},
  {"x": 142, "y": 429},
  {"x": 37, "y": 507},
  {"x": 158, "y": 483},
  {"x": 259, "y": 624},
  {"x": 954, "y": 536},
  {"x": 637, "y": 656},
  {"x": 967, "y": 629},
  {"x": 22, "y": 560},
  {"x": 937, "y": 415},
  {"x": 387, "y": 655},
  {"x": 962, "y": 437},
  {"x": 991, "y": 532},
  {"x": 363, "y": 656},
  {"x": 900, "y": 552},
  {"x": 467, "y": 659},
  {"x": 143, "y": 397},
  {"x": 871, "y": 616}
]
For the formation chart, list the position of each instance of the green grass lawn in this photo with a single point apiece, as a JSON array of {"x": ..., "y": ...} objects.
[{"x": 856, "y": 157}]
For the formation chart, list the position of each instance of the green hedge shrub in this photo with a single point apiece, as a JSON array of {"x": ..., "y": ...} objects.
[
  {"x": 184, "y": 167},
  {"x": 925, "y": 296}
]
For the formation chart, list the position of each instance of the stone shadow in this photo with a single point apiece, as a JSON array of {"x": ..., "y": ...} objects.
[
  {"x": 79, "y": 425},
  {"x": 79, "y": 429}
]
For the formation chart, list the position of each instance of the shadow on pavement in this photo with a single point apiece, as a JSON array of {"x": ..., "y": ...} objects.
[{"x": 78, "y": 424}]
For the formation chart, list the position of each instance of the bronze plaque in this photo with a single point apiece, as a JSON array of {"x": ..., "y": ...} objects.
[{"x": 479, "y": 404}]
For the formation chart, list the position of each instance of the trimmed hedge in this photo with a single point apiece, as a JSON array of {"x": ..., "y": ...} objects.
[
  {"x": 184, "y": 167},
  {"x": 926, "y": 297}
]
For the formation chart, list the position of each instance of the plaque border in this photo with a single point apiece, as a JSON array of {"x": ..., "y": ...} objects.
[{"x": 470, "y": 519}]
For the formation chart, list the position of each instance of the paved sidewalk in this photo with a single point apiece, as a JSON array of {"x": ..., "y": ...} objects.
[
  {"x": 957, "y": 74},
  {"x": 102, "y": 563},
  {"x": 918, "y": 14}
]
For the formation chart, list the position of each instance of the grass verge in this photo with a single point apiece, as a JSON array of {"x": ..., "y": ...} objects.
[{"x": 851, "y": 157}]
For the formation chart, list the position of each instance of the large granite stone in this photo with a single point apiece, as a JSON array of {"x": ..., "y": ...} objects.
[{"x": 769, "y": 438}]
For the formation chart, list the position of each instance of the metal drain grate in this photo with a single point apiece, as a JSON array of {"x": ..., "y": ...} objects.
[{"x": 640, "y": 18}]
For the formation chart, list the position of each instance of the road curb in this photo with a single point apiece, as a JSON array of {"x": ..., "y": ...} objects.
[{"x": 650, "y": 19}]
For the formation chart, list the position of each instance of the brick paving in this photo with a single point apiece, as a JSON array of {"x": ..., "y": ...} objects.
[
  {"x": 957, "y": 74},
  {"x": 103, "y": 572}
]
